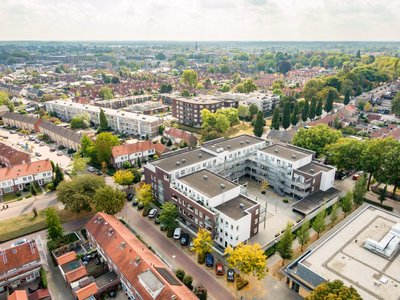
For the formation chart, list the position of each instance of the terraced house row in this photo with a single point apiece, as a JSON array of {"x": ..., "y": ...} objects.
[{"x": 118, "y": 120}]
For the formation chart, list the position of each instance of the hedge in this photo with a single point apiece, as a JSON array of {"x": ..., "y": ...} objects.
[
  {"x": 44, "y": 278},
  {"x": 389, "y": 208}
]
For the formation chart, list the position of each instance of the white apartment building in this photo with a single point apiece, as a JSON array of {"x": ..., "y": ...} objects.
[{"x": 118, "y": 120}]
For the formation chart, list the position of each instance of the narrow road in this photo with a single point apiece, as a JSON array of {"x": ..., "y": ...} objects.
[{"x": 186, "y": 263}]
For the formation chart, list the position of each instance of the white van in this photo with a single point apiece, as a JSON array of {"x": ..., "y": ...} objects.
[{"x": 177, "y": 233}]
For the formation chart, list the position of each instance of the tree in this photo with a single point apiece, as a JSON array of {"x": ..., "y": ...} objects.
[
  {"x": 59, "y": 176},
  {"x": 294, "y": 119},
  {"x": 261, "y": 66},
  {"x": 279, "y": 84},
  {"x": 395, "y": 104},
  {"x": 139, "y": 161},
  {"x": 106, "y": 93},
  {"x": 286, "y": 115},
  {"x": 303, "y": 234},
  {"x": 249, "y": 86},
  {"x": 347, "y": 202},
  {"x": 284, "y": 247},
  {"x": 242, "y": 111},
  {"x": 147, "y": 137},
  {"x": 161, "y": 129},
  {"x": 225, "y": 69},
  {"x": 318, "y": 110},
  {"x": 347, "y": 98},
  {"x": 115, "y": 79},
  {"x": 200, "y": 291},
  {"x": 77, "y": 194},
  {"x": 188, "y": 280},
  {"x": 390, "y": 174},
  {"x": 249, "y": 259},
  {"x": 360, "y": 189},
  {"x": 334, "y": 290},
  {"x": 169, "y": 216},
  {"x": 222, "y": 124},
  {"x": 103, "y": 121},
  {"x": 284, "y": 66},
  {"x": 316, "y": 138},
  {"x": 78, "y": 164},
  {"x": 360, "y": 105},
  {"x": 76, "y": 123},
  {"x": 145, "y": 196},
  {"x": 202, "y": 244},
  {"x": 259, "y": 124},
  {"x": 190, "y": 78},
  {"x": 305, "y": 111},
  {"x": 359, "y": 91},
  {"x": 346, "y": 153},
  {"x": 329, "y": 102},
  {"x": 358, "y": 55},
  {"x": 334, "y": 213},
  {"x": 275, "y": 119},
  {"x": 186, "y": 93},
  {"x": 103, "y": 146},
  {"x": 313, "y": 108},
  {"x": 180, "y": 274},
  {"x": 109, "y": 200},
  {"x": 33, "y": 190},
  {"x": 5, "y": 100},
  {"x": 54, "y": 228},
  {"x": 225, "y": 88},
  {"x": 183, "y": 144},
  {"x": 160, "y": 56},
  {"x": 123, "y": 177},
  {"x": 319, "y": 223},
  {"x": 253, "y": 109},
  {"x": 382, "y": 194}
]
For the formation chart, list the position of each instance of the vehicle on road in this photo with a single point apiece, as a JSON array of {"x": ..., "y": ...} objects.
[
  {"x": 356, "y": 176},
  {"x": 185, "y": 239},
  {"x": 90, "y": 169},
  {"x": 98, "y": 173},
  {"x": 177, "y": 233},
  {"x": 59, "y": 153},
  {"x": 129, "y": 197},
  {"x": 157, "y": 219},
  {"x": 37, "y": 142},
  {"x": 52, "y": 149},
  {"x": 135, "y": 202},
  {"x": 140, "y": 205},
  {"x": 152, "y": 213},
  {"x": 209, "y": 260},
  {"x": 38, "y": 154},
  {"x": 5, "y": 137},
  {"x": 163, "y": 227},
  {"x": 32, "y": 138},
  {"x": 42, "y": 144},
  {"x": 12, "y": 131},
  {"x": 219, "y": 268},
  {"x": 20, "y": 242},
  {"x": 20, "y": 143},
  {"x": 230, "y": 275},
  {"x": 20, "y": 134}
]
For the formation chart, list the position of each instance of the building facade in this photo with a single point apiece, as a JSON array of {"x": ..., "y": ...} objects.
[
  {"x": 177, "y": 135},
  {"x": 21, "y": 121},
  {"x": 62, "y": 136}
]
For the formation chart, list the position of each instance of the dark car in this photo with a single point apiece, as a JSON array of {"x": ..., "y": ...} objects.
[
  {"x": 99, "y": 173},
  {"x": 52, "y": 149},
  {"x": 157, "y": 219},
  {"x": 185, "y": 239},
  {"x": 230, "y": 275},
  {"x": 209, "y": 260},
  {"x": 163, "y": 227},
  {"x": 140, "y": 205},
  {"x": 129, "y": 197},
  {"x": 219, "y": 269},
  {"x": 5, "y": 137},
  {"x": 135, "y": 202}
]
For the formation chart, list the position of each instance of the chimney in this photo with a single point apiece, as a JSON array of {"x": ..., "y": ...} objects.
[
  {"x": 99, "y": 220},
  {"x": 110, "y": 231},
  {"x": 205, "y": 177},
  {"x": 123, "y": 245}
]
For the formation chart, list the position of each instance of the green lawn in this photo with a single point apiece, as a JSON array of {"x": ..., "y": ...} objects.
[
  {"x": 25, "y": 224},
  {"x": 9, "y": 197}
]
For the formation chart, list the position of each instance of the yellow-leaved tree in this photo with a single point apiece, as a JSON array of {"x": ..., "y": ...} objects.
[
  {"x": 249, "y": 259},
  {"x": 123, "y": 177},
  {"x": 202, "y": 244},
  {"x": 144, "y": 195}
]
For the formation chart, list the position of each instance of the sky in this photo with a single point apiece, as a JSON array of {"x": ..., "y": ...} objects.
[{"x": 200, "y": 20}]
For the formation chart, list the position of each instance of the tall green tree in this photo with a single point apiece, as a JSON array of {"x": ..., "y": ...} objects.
[
  {"x": 319, "y": 223},
  {"x": 347, "y": 98},
  {"x": 54, "y": 228},
  {"x": 318, "y": 110},
  {"x": 396, "y": 104},
  {"x": 313, "y": 108},
  {"x": 253, "y": 109},
  {"x": 303, "y": 234},
  {"x": 294, "y": 119},
  {"x": 275, "y": 119},
  {"x": 334, "y": 290},
  {"x": 169, "y": 216},
  {"x": 360, "y": 189},
  {"x": 305, "y": 111},
  {"x": 358, "y": 55},
  {"x": 259, "y": 124},
  {"x": 329, "y": 102},
  {"x": 78, "y": 164},
  {"x": 103, "y": 121},
  {"x": 334, "y": 213},
  {"x": 59, "y": 176},
  {"x": 284, "y": 247},
  {"x": 382, "y": 194},
  {"x": 109, "y": 200},
  {"x": 347, "y": 202},
  {"x": 33, "y": 190},
  {"x": 391, "y": 172},
  {"x": 190, "y": 78},
  {"x": 286, "y": 115},
  {"x": 346, "y": 153},
  {"x": 103, "y": 146}
]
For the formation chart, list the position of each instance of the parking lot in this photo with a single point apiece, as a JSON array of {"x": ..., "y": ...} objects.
[{"x": 44, "y": 150}]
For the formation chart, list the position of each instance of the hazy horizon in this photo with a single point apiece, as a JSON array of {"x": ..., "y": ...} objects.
[{"x": 200, "y": 20}]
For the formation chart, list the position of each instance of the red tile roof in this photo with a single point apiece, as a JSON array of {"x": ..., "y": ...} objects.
[
  {"x": 177, "y": 133},
  {"x": 87, "y": 291},
  {"x": 63, "y": 259},
  {"x": 374, "y": 117},
  {"x": 376, "y": 134},
  {"x": 40, "y": 294},
  {"x": 76, "y": 274},
  {"x": 327, "y": 119},
  {"x": 384, "y": 130},
  {"x": 18, "y": 295},
  {"x": 23, "y": 255},
  {"x": 124, "y": 258},
  {"x": 126, "y": 149},
  {"x": 392, "y": 126},
  {"x": 25, "y": 169},
  {"x": 350, "y": 107}
]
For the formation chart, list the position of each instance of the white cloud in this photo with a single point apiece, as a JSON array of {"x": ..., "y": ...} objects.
[{"x": 199, "y": 20}]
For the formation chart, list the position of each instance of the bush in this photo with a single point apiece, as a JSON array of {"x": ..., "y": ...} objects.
[
  {"x": 174, "y": 148},
  {"x": 51, "y": 187},
  {"x": 389, "y": 208},
  {"x": 79, "y": 256},
  {"x": 240, "y": 283},
  {"x": 84, "y": 233},
  {"x": 146, "y": 211},
  {"x": 18, "y": 193},
  {"x": 270, "y": 251},
  {"x": 44, "y": 278},
  {"x": 28, "y": 196},
  {"x": 71, "y": 151},
  {"x": 180, "y": 274},
  {"x": 20, "y": 198},
  {"x": 285, "y": 200},
  {"x": 61, "y": 147},
  {"x": 188, "y": 280},
  {"x": 25, "y": 189},
  {"x": 201, "y": 292},
  {"x": 201, "y": 258}
]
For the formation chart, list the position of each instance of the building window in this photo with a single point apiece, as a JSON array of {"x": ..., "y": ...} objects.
[
  {"x": 231, "y": 227},
  {"x": 237, "y": 228},
  {"x": 196, "y": 221},
  {"x": 196, "y": 211},
  {"x": 237, "y": 237},
  {"x": 201, "y": 224},
  {"x": 255, "y": 230},
  {"x": 256, "y": 221},
  {"x": 201, "y": 215},
  {"x": 256, "y": 211}
]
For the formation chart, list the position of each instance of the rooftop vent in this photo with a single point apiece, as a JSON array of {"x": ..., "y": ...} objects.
[
  {"x": 173, "y": 297},
  {"x": 222, "y": 186},
  {"x": 123, "y": 245},
  {"x": 177, "y": 163},
  {"x": 106, "y": 223},
  {"x": 110, "y": 231},
  {"x": 200, "y": 155},
  {"x": 205, "y": 177},
  {"x": 293, "y": 156},
  {"x": 312, "y": 170},
  {"x": 183, "y": 160},
  {"x": 247, "y": 141},
  {"x": 241, "y": 205},
  {"x": 241, "y": 142},
  {"x": 276, "y": 150},
  {"x": 137, "y": 259},
  {"x": 100, "y": 219}
]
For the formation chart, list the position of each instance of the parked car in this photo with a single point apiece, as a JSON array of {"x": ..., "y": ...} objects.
[
  {"x": 129, "y": 197},
  {"x": 90, "y": 169},
  {"x": 20, "y": 134},
  {"x": 32, "y": 138},
  {"x": 140, "y": 205},
  {"x": 38, "y": 154},
  {"x": 37, "y": 142},
  {"x": 98, "y": 173},
  {"x": 191, "y": 245},
  {"x": 152, "y": 213},
  {"x": 59, "y": 153},
  {"x": 157, "y": 219},
  {"x": 219, "y": 268},
  {"x": 163, "y": 227},
  {"x": 356, "y": 176},
  {"x": 52, "y": 149},
  {"x": 20, "y": 242},
  {"x": 209, "y": 260},
  {"x": 12, "y": 131},
  {"x": 142, "y": 172},
  {"x": 230, "y": 275},
  {"x": 5, "y": 137},
  {"x": 41, "y": 144},
  {"x": 185, "y": 239},
  {"x": 177, "y": 233},
  {"x": 135, "y": 202},
  {"x": 20, "y": 143}
]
